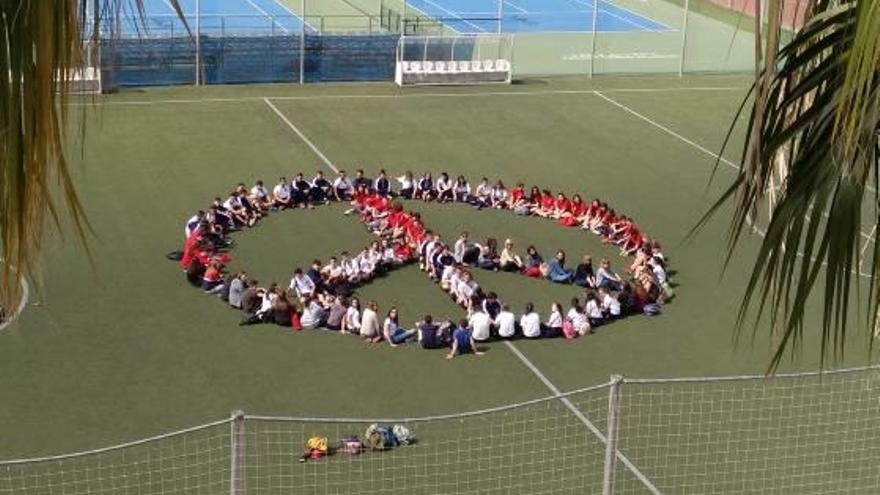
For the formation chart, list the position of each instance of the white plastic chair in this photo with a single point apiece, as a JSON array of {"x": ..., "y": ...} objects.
[
  {"x": 428, "y": 67},
  {"x": 439, "y": 66},
  {"x": 502, "y": 65},
  {"x": 464, "y": 66},
  {"x": 404, "y": 67},
  {"x": 477, "y": 66},
  {"x": 415, "y": 66},
  {"x": 488, "y": 65}
]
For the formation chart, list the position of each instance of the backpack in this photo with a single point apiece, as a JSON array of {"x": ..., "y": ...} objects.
[
  {"x": 175, "y": 255},
  {"x": 651, "y": 309},
  {"x": 380, "y": 437},
  {"x": 351, "y": 445},
  {"x": 568, "y": 329},
  {"x": 402, "y": 434},
  {"x": 316, "y": 447}
]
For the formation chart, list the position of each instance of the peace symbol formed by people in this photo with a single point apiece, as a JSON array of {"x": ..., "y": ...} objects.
[{"x": 323, "y": 295}]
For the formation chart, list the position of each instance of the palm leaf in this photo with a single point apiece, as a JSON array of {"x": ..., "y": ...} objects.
[
  {"x": 815, "y": 110},
  {"x": 42, "y": 46}
]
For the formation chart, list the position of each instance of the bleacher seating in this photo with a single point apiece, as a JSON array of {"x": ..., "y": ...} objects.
[{"x": 454, "y": 72}]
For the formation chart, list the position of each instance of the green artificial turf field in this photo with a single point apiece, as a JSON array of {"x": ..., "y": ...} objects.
[{"x": 123, "y": 348}]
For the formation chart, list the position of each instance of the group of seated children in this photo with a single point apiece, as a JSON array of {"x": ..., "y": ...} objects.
[{"x": 322, "y": 292}]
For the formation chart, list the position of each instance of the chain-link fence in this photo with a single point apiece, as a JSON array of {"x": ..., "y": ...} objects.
[{"x": 799, "y": 433}]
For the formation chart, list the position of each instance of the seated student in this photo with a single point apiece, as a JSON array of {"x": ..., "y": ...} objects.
[
  {"x": 445, "y": 189},
  {"x": 480, "y": 324},
  {"x": 561, "y": 207},
  {"x": 516, "y": 200},
  {"x": 534, "y": 198},
  {"x": 270, "y": 295},
  {"x": 533, "y": 262},
  {"x": 243, "y": 197},
  {"x": 321, "y": 189},
  {"x": 260, "y": 196},
  {"x": 425, "y": 187},
  {"x": 557, "y": 271},
  {"x": 583, "y": 273},
  {"x": 313, "y": 315},
  {"x": 491, "y": 305},
  {"x": 489, "y": 259},
  {"x": 212, "y": 280},
  {"x": 595, "y": 213},
  {"x": 426, "y": 249},
  {"x": 462, "y": 342},
  {"x": 282, "y": 311},
  {"x": 553, "y": 327},
  {"x": 430, "y": 334},
  {"x": 342, "y": 187},
  {"x": 467, "y": 251},
  {"x": 237, "y": 286},
  {"x": 193, "y": 224},
  {"x": 315, "y": 273},
  {"x": 576, "y": 210},
  {"x": 530, "y": 322},
  {"x": 593, "y": 309},
  {"x": 301, "y": 192},
  {"x": 392, "y": 332},
  {"x": 505, "y": 323},
  {"x": 544, "y": 207},
  {"x": 336, "y": 313},
  {"x": 332, "y": 273},
  {"x": 610, "y": 305},
  {"x": 360, "y": 180},
  {"x": 441, "y": 258},
  {"x": 605, "y": 276},
  {"x": 281, "y": 195},
  {"x": 498, "y": 198},
  {"x": 465, "y": 289},
  {"x": 302, "y": 285},
  {"x": 369, "y": 329},
  {"x": 351, "y": 322},
  {"x": 239, "y": 214},
  {"x": 366, "y": 264},
  {"x": 407, "y": 185},
  {"x": 602, "y": 227},
  {"x": 449, "y": 277},
  {"x": 509, "y": 261},
  {"x": 578, "y": 318},
  {"x": 251, "y": 300},
  {"x": 627, "y": 299},
  {"x": 462, "y": 190},
  {"x": 350, "y": 268},
  {"x": 382, "y": 185},
  {"x": 482, "y": 194}
]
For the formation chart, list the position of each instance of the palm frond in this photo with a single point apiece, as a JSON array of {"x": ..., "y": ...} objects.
[{"x": 816, "y": 114}]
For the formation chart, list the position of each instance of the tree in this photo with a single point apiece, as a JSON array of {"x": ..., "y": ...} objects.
[
  {"x": 41, "y": 47},
  {"x": 811, "y": 153}
]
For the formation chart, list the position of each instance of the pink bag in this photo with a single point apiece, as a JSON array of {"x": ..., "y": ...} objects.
[{"x": 568, "y": 329}]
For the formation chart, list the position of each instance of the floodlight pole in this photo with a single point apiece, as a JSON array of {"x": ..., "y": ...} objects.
[
  {"x": 198, "y": 42},
  {"x": 302, "y": 42},
  {"x": 500, "y": 15},
  {"x": 403, "y": 20},
  {"x": 684, "y": 29},
  {"x": 593, "y": 41}
]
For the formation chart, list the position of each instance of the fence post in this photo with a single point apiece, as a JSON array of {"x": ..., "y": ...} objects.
[
  {"x": 684, "y": 29},
  {"x": 611, "y": 434},
  {"x": 198, "y": 42},
  {"x": 302, "y": 42},
  {"x": 236, "y": 450},
  {"x": 595, "y": 34}
]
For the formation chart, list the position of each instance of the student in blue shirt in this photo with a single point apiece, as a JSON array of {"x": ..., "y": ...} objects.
[
  {"x": 462, "y": 341},
  {"x": 557, "y": 272},
  {"x": 382, "y": 185}
]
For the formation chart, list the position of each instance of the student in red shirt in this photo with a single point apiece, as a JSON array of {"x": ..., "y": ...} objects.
[
  {"x": 545, "y": 205},
  {"x": 560, "y": 206},
  {"x": 576, "y": 210}
]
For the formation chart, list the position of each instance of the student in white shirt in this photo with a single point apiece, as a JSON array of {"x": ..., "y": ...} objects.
[
  {"x": 481, "y": 325},
  {"x": 445, "y": 188},
  {"x": 302, "y": 284},
  {"x": 593, "y": 310},
  {"x": 462, "y": 190},
  {"x": 553, "y": 328},
  {"x": 498, "y": 198},
  {"x": 391, "y": 330},
  {"x": 483, "y": 194},
  {"x": 342, "y": 187},
  {"x": 281, "y": 196},
  {"x": 193, "y": 223},
  {"x": 530, "y": 322},
  {"x": 351, "y": 322},
  {"x": 407, "y": 185},
  {"x": 350, "y": 267},
  {"x": 610, "y": 304},
  {"x": 578, "y": 318},
  {"x": 505, "y": 322},
  {"x": 369, "y": 323},
  {"x": 260, "y": 196}
]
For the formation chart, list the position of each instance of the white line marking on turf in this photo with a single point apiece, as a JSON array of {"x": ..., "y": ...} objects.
[
  {"x": 405, "y": 96},
  {"x": 302, "y": 20},
  {"x": 302, "y": 136},
  {"x": 582, "y": 417},
  {"x": 705, "y": 150},
  {"x": 271, "y": 17},
  {"x": 453, "y": 14},
  {"x": 517, "y": 7},
  {"x": 25, "y": 295}
]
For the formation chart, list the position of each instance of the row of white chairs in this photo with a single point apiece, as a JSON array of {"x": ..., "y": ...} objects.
[{"x": 434, "y": 67}]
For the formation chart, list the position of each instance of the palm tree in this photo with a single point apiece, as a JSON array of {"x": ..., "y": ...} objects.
[
  {"x": 811, "y": 154},
  {"x": 41, "y": 42}
]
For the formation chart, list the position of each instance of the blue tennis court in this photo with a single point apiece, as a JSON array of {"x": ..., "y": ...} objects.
[
  {"x": 229, "y": 17},
  {"x": 481, "y": 16}
]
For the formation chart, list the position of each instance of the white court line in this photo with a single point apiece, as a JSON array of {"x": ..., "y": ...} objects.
[
  {"x": 271, "y": 17},
  {"x": 302, "y": 136},
  {"x": 25, "y": 295},
  {"x": 301, "y": 19},
  {"x": 582, "y": 417},
  {"x": 705, "y": 150},
  {"x": 453, "y": 14},
  {"x": 404, "y": 96},
  {"x": 595, "y": 5},
  {"x": 638, "y": 16},
  {"x": 517, "y": 7}
]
